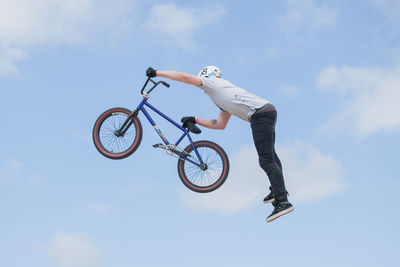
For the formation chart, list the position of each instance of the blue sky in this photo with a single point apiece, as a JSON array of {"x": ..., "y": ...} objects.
[{"x": 332, "y": 68}]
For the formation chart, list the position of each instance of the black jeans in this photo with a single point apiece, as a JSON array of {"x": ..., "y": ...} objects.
[{"x": 263, "y": 128}]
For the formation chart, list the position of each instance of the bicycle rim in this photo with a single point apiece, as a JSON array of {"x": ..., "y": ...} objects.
[
  {"x": 108, "y": 139},
  {"x": 108, "y": 143},
  {"x": 213, "y": 176}
]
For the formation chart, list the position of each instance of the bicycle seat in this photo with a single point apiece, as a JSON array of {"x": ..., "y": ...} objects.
[{"x": 192, "y": 128}]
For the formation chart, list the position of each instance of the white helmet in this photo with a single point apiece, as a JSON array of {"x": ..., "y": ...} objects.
[{"x": 211, "y": 72}]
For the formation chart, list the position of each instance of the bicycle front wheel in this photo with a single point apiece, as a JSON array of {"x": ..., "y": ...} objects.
[
  {"x": 105, "y": 136},
  {"x": 214, "y": 172}
]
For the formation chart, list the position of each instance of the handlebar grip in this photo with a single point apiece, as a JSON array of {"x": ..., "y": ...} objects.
[
  {"x": 165, "y": 84},
  {"x": 193, "y": 128}
]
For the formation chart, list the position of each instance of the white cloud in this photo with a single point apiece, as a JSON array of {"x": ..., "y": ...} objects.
[
  {"x": 309, "y": 176},
  {"x": 390, "y": 10},
  {"x": 370, "y": 99},
  {"x": 290, "y": 90},
  {"x": 307, "y": 13},
  {"x": 8, "y": 57},
  {"x": 179, "y": 24},
  {"x": 272, "y": 53},
  {"x": 11, "y": 167},
  {"x": 74, "y": 250},
  {"x": 389, "y": 7},
  {"x": 99, "y": 209},
  {"x": 244, "y": 186},
  {"x": 26, "y": 23},
  {"x": 14, "y": 171}
]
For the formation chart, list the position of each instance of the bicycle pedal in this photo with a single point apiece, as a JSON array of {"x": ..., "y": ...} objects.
[{"x": 159, "y": 145}]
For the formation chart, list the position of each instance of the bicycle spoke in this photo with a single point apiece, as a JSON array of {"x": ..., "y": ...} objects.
[
  {"x": 111, "y": 142},
  {"x": 204, "y": 178}
]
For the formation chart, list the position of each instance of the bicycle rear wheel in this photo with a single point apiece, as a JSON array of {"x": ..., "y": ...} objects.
[
  {"x": 108, "y": 143},
  {"x": 207, "y": 179}
]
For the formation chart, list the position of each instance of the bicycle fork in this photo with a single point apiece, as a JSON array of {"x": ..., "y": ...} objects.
[{"x": 127, "y": 123}]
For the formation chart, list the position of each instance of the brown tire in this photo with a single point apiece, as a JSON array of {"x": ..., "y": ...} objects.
[
  {"x": 210, "y": 178},
  {"x": 110, "y": 145}
]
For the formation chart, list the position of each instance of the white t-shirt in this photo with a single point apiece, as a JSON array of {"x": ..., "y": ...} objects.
[{"x": 228, "y": 97}]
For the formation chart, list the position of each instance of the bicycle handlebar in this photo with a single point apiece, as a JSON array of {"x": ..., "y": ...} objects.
[
  {"x": 154, "y": 86},
  {"x": 190, "y": 126},
  {"x": 165, "y": 84}
]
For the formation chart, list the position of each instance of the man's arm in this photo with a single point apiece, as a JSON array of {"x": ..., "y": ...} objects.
[
  {"x": 218, "y": 124},
  {"x": 180, "y": 77}
]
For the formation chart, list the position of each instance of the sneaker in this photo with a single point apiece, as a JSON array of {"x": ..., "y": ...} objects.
[
  {"x": 270, "y": 198},
  {"x": 279, "y": 210}
]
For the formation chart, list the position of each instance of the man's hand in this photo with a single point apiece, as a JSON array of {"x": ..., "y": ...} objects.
[
  {"x": 150, "y": 72},
  {"x": 185, "y": 121},
  {"x": 189, "y": 123}
]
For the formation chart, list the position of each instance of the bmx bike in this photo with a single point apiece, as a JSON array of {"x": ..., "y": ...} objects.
[{"x": 203, "y": 166}]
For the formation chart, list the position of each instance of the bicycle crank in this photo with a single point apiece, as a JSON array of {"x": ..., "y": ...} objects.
[{"x": 172, "y": 151}]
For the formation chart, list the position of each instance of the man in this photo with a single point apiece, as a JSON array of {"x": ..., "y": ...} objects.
[{"x": 261, "y": 114}]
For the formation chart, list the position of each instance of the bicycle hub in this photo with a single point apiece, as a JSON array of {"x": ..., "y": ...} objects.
[
  {"x": 118, "y": 133},
  {"x": 204, "y": 167}
]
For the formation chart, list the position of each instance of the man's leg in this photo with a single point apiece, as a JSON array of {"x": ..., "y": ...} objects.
[
  {"x": 276, "y": 156},
  {"x": 263, "y": 127}
]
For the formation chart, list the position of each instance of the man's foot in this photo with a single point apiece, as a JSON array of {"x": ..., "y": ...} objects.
[
  {"x": 279, "y": 210},
  {"x": 269, "y": 198}
]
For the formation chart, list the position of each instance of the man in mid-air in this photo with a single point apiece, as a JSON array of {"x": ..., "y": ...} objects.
[{"x": 261, "y": 114}]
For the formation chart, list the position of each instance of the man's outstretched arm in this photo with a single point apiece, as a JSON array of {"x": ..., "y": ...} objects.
[{"x": 180, "y": 77}]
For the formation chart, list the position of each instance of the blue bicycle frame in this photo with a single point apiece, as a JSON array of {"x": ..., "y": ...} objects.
[{"x": 141, "y": 107}]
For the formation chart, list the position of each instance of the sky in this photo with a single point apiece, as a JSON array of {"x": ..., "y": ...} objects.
[{"x": 332, "y": 69}]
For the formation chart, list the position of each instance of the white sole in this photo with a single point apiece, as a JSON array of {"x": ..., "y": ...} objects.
[
  {"x": 269, "y": 201},
  {"x": 272, "y": 200},
  {"x": 279, "y": 214}
]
